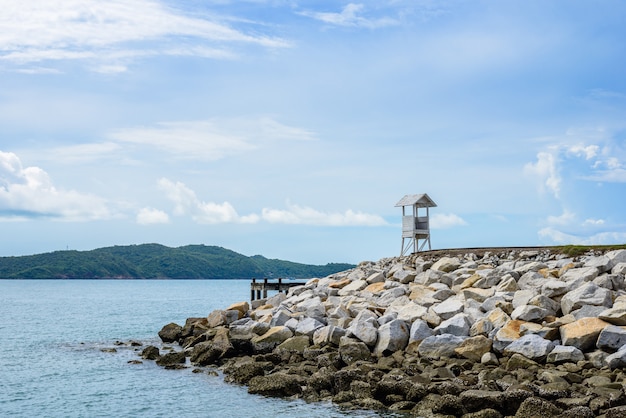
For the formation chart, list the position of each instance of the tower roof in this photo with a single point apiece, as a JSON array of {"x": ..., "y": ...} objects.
[{"x": 419, "y": 200}]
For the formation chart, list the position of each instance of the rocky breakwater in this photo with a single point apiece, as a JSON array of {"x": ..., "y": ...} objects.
[{"x": 507, "y": 333}]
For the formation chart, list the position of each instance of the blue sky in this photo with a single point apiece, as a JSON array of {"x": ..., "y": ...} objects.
[{"x": 291, "y": 128}]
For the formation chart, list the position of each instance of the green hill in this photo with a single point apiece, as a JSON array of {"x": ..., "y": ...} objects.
[{"x": 154, "y": 261}]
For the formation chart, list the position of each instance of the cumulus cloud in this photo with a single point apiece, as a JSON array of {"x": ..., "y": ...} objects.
[
  {"x": 352, "y": 15},
  {"x": 443, "y": 221},
  {"x": 28, "y": 192},
  {"x": 546, "y": 171},
  {"x": 186, "y": 202},
  {"x": 211, "y": 139},
  {"x": 112, "y": 32},
  {"x": 150, "y": 216},
  {"x": 303, "y": 215}
]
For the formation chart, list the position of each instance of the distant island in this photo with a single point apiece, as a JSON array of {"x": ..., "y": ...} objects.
[{"x": 155, "y": 261}]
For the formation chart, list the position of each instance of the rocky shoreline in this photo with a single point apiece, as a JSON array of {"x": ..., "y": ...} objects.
[{"x": 502, "y": 333}]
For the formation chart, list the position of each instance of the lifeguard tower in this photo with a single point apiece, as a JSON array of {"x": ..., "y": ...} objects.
[{"x": 414, "y": 226}]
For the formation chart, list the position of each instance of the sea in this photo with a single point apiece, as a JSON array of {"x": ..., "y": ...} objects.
[{"x": 65, "y": 352}]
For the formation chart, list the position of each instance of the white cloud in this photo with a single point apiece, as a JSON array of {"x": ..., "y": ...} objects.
[
  {"x": 545, "y": 169},
  {"x": 211, "y": 139},
  {"x": 187, "y": 203},
  {"x": 28, "y": 192},
  {"x": 42, "y": 30},
  {"x": 303, "y": 215},
  {"x": 443, "y": 221},
  {"x": 351, "y": 15},
  {"x": 588, "y": 151},
  {"x": 149, "y": 216},
  {"x": 566, "y": 218},
  {"x": 593, "y": 222},
  {"x": 554, "y": 236}
]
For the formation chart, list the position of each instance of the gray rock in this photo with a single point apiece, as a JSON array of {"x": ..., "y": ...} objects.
[
  {"x": 448, "y": 308},
  {"x": 329, "y": 334},
  {"x": 307, "y": 326},
  {"x": 614, "y": 315},
  {"x": 564, "y": 354},
  {"x": 617, "y": 359},
  {"x": 522, "y": 297},
  {"x": 354, "y": 351},
  {"x": 602, "y": 263},
  {"x": 530, "y": 346},
  {"x": 404, "y": 276},
  {"x": 419, "y": 331},
  {"x": 458, "y": 325},
  {"x": 353, "y": 288},
  {"x": 439, "y": 346},
  {"x": 588, "y": 311},
  {"x": 612, "y": 337},
  {"x": 392, "y": 336},
  {"x": 529, "y": 313},
  {"x": 551, "y": 288},
  {"x": 364, "y": 327},
  {"x": 279, "y": 318},
  {"x": 616, "y": 257},
  {"x": 619, "y": 268},
  {"x": 531, "y": 280},
  {"x": 276, "y": 384},
  {"x": 587, "y": 294}
]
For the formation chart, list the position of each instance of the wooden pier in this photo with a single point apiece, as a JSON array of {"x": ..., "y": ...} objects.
[{"x": 260, "y": 288}]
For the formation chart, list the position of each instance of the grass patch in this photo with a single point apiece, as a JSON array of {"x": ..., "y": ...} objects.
[{"x": 576, "y": 250}]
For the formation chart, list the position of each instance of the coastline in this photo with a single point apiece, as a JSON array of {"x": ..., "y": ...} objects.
[{"x": 483, "y": 333}]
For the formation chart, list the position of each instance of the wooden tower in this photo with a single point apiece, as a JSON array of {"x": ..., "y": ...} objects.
[{"x": 415, "y": 228}]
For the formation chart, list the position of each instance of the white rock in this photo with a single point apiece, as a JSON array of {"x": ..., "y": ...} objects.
[
  {"x": 588, "y": 294},
  {"x": 620, "y": 268},
  {"x": 602, "y": 263},
  {"x": 364, "y": 327},
  {"x": 576, "y": 276},
  {"x": 410, "y": 312},
  {"x": 392, "y": 336},
  {"x": 532, "y": 266},
  {"x": 376, "y": 277},
  {"x": 522, "y": 297},
  {"x": 531, "y": 280},
  {"x": 616, "y": 257},
  {"x": 448, "y": 308},
  {"x": 404, "y": 276},
  {"x": 446, "y": 264},
  {"x": 353, "y": 287},
  {"x": 307, "y": 326},
  {"x": 328, "y": 334}
]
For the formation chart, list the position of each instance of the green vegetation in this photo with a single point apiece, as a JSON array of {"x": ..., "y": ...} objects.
[
  {"x": 154, "y": 261},
  {"x": 575, "y": 250}
]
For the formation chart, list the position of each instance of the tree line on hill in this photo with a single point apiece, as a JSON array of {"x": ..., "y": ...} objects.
[{"x": 155, "y": 261}]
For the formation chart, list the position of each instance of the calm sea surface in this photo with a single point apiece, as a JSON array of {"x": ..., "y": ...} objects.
[{"x": 52, "y": 365}]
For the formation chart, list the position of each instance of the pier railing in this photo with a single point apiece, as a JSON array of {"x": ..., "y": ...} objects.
[{"x": 259, "y": 288}]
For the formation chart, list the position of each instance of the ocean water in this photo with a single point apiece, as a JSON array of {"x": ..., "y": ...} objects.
[{"x": 52, "y": 363}]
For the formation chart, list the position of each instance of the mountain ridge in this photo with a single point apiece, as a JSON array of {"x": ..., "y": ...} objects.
[{"x": 156, "y": 261}]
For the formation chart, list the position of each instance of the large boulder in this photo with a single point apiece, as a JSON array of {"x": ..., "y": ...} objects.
[
  {"x": 611, "y": 338},
  {"x": 583, "y": 333},
  {"x": 474, "y": 348},
  {"x": 458, "y": 325},
  {"x": 352, "y": 351},
  {"x": 307, "y": 326},
  {"x": 365, "y": 327},
  {"x": 448, "y": 308},
  {"x": 276, "y": 384},
  {"x": 565, "y": 354},
  {"x": 446, "y": 264},
  {"x": 439, "y": 346},
  {"x": 587, "y": 294},
  {"x": 271, "y": 339},
  {"x": 530, "y": 346},
  {"x": 419, "y": 331},
  {"x": 329, "y": 334},
  {"x": 392, "y": 336},
  {"x": 170, "y": 333}
]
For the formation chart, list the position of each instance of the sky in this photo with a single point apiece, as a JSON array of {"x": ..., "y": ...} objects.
[{"x": 291, "y": 129}]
